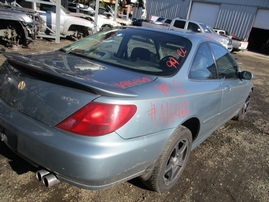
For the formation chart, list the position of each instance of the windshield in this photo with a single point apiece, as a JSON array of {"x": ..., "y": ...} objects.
[
  {"x": 135, "y": 49},
  {"x": 210, "y": 29},
  {"x": 206, "y": 28}
]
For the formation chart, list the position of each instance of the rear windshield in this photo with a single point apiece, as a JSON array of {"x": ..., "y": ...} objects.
[{"x": 142, "y": 50}]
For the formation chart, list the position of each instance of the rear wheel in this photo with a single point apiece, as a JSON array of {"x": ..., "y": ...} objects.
[
  {"x": 243, "y": 111},
  {"x": 172, "y": 161}
]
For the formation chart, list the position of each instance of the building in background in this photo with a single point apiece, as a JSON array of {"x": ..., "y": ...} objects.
[{"x": 246, "y": 19}]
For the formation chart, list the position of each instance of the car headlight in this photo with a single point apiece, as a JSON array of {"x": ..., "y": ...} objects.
[{"x": 224, "y": 41}]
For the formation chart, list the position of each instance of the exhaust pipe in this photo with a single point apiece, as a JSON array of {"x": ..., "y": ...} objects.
[
  {"x": 40, "y": 174},
  {"x": 47, "y": 178},
  {"x": 50, "y": 180}
]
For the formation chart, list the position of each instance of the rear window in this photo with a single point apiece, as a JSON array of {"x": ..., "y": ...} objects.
[
  {"x": 179, "y": 24},
  {"x": 142, "y": 50},
  {"x": 160, "y": 19}
]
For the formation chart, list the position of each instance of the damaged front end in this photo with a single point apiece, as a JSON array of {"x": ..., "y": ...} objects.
[{"x": 19, "y": 26}]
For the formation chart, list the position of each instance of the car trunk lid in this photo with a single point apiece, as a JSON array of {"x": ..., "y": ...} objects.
[{"x": 50, "y": 87}]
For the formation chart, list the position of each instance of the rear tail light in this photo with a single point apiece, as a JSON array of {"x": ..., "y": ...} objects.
[{"x": 96, "y": 119}]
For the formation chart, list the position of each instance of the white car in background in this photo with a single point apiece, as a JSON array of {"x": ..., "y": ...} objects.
[
  {"x": 103, "y": 23},
  {"x": 70, "y": 26},
  {"x": 180, "y": 25}
]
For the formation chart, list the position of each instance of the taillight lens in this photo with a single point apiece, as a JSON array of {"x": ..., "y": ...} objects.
[{"x": 96, "y": 119}]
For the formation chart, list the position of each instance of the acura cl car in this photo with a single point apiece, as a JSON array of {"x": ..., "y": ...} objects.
[{"x": 119, "y": 104}]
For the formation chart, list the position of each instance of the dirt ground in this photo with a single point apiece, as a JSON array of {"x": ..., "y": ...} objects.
[{"x": 231, "y": 165}]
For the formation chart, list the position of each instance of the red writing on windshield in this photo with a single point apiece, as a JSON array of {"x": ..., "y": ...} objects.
[
  {"x": 181, "y": 52},
  {"x": 167, "y": 113},
  {"x": 172, "y": 62},
  {"x": 129, "y": 83}
]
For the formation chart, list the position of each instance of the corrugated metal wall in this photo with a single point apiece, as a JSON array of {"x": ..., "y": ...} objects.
[
  {"x": 236, "y": 19},
  {"x": 234, "y": 16},
  {"x": 179, "y": 8},
  {"x": 168, "y": 8},
  {"x": 255, "y": 3}
]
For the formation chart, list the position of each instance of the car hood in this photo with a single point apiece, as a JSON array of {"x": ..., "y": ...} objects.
[{"x": 49, "y": 87}]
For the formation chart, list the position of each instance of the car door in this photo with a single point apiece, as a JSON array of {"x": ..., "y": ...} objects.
[
  {"x": 50, "y": 17},
  {"x": 206, "y": 87},
  {"x": 234, "y": 90}
]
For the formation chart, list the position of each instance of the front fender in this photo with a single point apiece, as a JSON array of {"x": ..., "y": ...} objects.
[{"x": 77, "y": 22}]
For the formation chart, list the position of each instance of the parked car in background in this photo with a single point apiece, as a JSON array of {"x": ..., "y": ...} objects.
[
  {"x": 102, "y": 23},
  {"x": 138, "y": 22},
  {"x": 179, "y": 24},
  {"x": 119, "y": 104},
  {"x": 223, "y": 32},
  {"x": 104, "y": 20},
  {"x": 105, "y": 15},
  {"x": 78, "y": 7},
  {"x": 238, "y": 44},
  {"x": 19, "y": 26},
  {"x": 70, "y": 26}
]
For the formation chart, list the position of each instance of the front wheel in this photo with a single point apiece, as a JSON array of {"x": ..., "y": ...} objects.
[{"x": 172, "y": 161}]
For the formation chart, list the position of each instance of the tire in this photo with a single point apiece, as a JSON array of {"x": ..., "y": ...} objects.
[
  {"x": 243, "y": 111},
  {"x": 105, "y": 28},
  {"x": 171, "y": 162}
]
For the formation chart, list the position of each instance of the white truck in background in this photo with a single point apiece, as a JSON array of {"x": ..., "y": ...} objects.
[
  {"x": 70, "y": 26},
  {"x": 237, "y": 43},
  {"x": 179, "y": 24}
]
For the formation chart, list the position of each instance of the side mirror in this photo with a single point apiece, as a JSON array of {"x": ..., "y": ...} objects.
[{"x": 246, "y": 75}]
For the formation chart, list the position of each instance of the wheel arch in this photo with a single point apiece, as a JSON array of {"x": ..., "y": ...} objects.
[{"x": 193, "y": 124}]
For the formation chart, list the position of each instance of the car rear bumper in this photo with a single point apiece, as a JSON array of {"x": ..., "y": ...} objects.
[{"x": 87, "y": 162}]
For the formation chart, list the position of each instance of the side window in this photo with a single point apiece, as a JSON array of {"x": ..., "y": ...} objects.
[
  {"x": 203, "y": 66},
  {"x": 226, "y": 64},
  {"x": 179, "y": 24},
  {"x": 48, "y": 8},
  {"x": 193, "y": 27}
]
